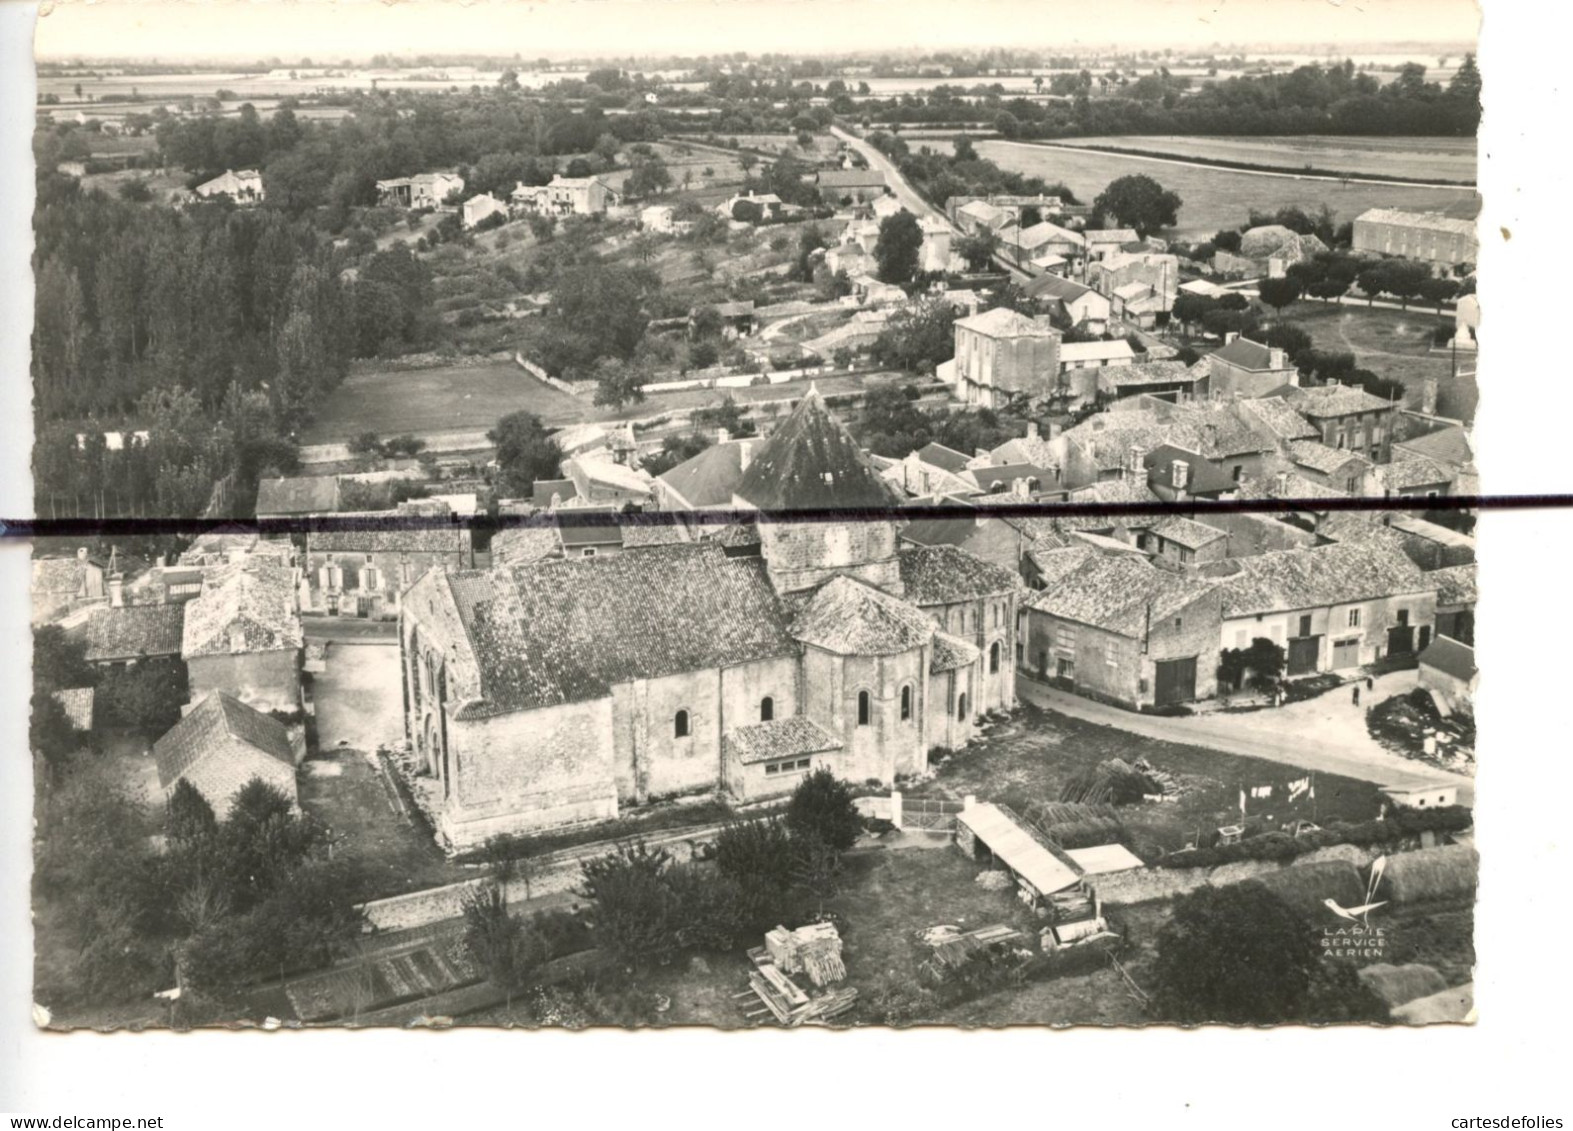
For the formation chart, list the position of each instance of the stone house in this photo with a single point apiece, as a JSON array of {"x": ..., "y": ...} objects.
[
  {"x": 360, "y": 572},
  {"x": 1000, "y": 353},
  {"x": 1331, "y": 608},
  {"x": 564, "y": 691},
  {"x": 243, "y": 635},
  {"x": 1182, "y": 542},
  {"x": 566, "y": 196},
  {"x": 858, "y": 186},
  {"x": 478, "y": 208},
  {"x": 1121, "y": 631},
  {"x": 244, "y": 187},
  {"x": 220, "y": 746},
  {"x": 1348, "y": 471},
  {"x": 61, "y": 585},
  {"x": 129, "y": 634},
  {"x": 1448, "y": 668},
  {"x": 1070, "y": 303},
  {"x": 1456, "y": 593},
  {"x": 1348, "y": 417},
  {"x": 1243, "y": 368},
  {"x": 424, "y": 190}
]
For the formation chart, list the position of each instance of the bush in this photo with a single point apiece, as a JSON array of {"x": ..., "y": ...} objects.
[
  {"x": 822, "y": 807},
  {"x": 1398, "y": 827},
  {"x": 146, "y": 696}
]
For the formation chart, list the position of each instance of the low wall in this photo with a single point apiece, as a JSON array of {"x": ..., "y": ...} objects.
[
  {"x": 1143, "y": 884},
  {"x": 541, "y": 375},
  {"x": 555, "y": 874}
]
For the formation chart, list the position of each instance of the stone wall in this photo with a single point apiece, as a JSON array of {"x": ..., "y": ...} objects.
[{"x": 1143, "y": 884}]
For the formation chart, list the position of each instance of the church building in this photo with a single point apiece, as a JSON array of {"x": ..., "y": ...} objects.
[{"x": 567, "y": 691}]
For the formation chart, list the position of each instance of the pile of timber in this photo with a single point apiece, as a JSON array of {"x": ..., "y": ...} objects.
[
  {"x": 785, "y": 1000},
  {"x": 814, "y": 950},
  {"x": 1167, "y": 788},
  {"x": 952, "y": 954}
]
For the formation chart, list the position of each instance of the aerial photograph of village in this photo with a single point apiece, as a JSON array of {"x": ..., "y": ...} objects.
[{"x": 580, "y": 536}]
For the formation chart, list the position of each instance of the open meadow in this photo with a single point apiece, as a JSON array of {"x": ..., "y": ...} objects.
[
  {"x": 1410, "y": 158},
  {"x": 1218, "y": 198}
]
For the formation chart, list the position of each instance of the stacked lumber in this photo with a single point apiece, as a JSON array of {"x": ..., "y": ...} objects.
[
  {"x": 785, "y": 1000},
  {"x": 814, "y": 950}
]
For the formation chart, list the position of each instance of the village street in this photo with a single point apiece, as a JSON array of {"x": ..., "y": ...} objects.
[
  {"x": 1327, "y": 733},
  {"x": 909, "y": 197}
]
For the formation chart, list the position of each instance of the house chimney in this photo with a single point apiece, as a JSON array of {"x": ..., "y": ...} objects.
[
  {"x": 1180, "y": 473},
  {"x": 160, "y": 561},
  {"x": 1275, "y": 359},
  {"x": 722, "y": 436},
  {"x": 81, "y": 553},
  {"x": 1230, "y": 336},
  {"x": 1428, "y": 391},
  {"x": 1282, "y": 480},
  {"x": 1133, "y": 466},
  {"x": 117, "y": 597},
  {"x": 1032, "y": 429},
  {"x": 745, "y": 455}
]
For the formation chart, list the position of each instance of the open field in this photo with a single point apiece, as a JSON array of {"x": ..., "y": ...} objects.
[
  {"x": 1410, "y": 158},
  {"x": 457, "y": 398},
  {"x": 1031, "y": 757},
  {"x": 1391, "y": 343},
  {"x": 1218, "y": 198}
]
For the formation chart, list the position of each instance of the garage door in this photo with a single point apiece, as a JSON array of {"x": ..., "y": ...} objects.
[
  {"x": 1400, "y": 640},
  {"x": 1346, "y": 654},
  {"x": 1303, "y": 653},
  {"x": 1175, "y": 681}
]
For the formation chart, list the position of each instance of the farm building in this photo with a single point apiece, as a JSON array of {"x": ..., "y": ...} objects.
[
  {"x": 478, "y": 208},
  {"x": 244, "y": 187},
  {"x": 243, "y": 635},
  {"x": 566, "y": 196},
  {"x": 424, "y": 190},
  {"x": 1448, "y": 669}
]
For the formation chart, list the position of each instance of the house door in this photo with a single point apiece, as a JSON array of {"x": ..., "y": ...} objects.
[
  {"x": 1400, "y": 640},
  {"x": 1303, "y": 654},
  {"x": 1175, "y": 681},
  {"x": 1425, "y": 637},
  {"x": 1346, "y": 653}
]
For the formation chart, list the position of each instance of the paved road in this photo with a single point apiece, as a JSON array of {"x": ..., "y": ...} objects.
[
  {"x": 909, "y": 197},
  {"x": 1313, "y": 735}
]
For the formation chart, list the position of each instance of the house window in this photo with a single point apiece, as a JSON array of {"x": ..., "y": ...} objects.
[
  {"x": 1403, "y": 616},
  {"x": 1178, "y": 623},
  {"x": 767, "y": 709},
  {"x": 680, "y": 724},
  {"x": 865, "y": 708},
  {"x": 994, "y": 658},
  {"x": 1354, "y": 618},
  {"x": 1305, "y": 625},
  {"x": 368, "y": 559},
  {"x": 906, "y": 702},
  {"x": 1237, "y": 471},
  {"x": 587, "y": 552},
  {"x": 961, "y": 707}
]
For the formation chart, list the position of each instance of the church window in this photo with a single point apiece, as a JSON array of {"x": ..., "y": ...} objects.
[
  {"x": 680, "y": 724},
  {"x": 994, "y": 658},
  {"x": 906, "y": 702},
  {"x": 767, "y": 709},
  {"x": 865, "y": 708},
  {"x": 961, "y": 707}
]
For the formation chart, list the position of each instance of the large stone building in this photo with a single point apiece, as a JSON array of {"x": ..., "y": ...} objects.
[
  {"x": 1442, "y": 241},
  {"x": 1000, "y": 353},
  {"x": 564, "y": 691}
]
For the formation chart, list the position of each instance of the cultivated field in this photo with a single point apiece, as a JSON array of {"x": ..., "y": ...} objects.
[
  {"x": 1219, "y": 198},
  {"x": 1409, "y": 158}
]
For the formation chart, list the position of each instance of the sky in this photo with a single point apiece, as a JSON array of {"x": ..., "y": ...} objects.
[{"x": 356, "y": 29}]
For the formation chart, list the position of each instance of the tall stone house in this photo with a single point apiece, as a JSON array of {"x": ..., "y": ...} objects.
[
  {"x": 567, "y": 691},
  {"x": 1000, "y": 353}
]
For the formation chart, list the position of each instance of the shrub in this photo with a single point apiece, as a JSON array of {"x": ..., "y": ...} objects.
[{"x": 822, "y": 807}]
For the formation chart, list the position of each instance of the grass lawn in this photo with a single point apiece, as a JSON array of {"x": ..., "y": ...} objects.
[
  {"x": 391, "y": 402},
  {"x": 1217, "y": 198},
  {"x": 391, "y": 855},
  {"x": 1030, "y": 758},
  {"x": 1410, "y": 158},
  {"x": 1391, "y": 343}
]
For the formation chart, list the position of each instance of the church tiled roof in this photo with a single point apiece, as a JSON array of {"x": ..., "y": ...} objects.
[
  {"x": 951, "y": 653},
  {"x": 567, "y": 631},
  {"x": 812, "y": 462},
  {"x": 850, "y": 618},
  {"x": 938, "y": 575}
]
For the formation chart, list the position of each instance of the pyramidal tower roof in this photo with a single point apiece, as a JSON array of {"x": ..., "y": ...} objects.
[{"x": 811, "y": 461}]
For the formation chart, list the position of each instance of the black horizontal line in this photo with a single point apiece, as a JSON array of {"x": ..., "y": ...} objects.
[{"x": 331, "y": 523}]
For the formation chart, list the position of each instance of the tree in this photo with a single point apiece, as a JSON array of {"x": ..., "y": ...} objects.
[
  {"x": 635, "y": 916},
  {"x": 650, "y": 177},
  {"x": 146, "y": 696},
  {"x": 1189, "y": 309},
  {"x": 59, "y": 661},
  {"x": 619, "y": 382},
  {"x": 1279, "y": 293},
  {"x": 189, "y": 818},
  {"x": 1136, "y": 201},
  {"x": 502, "y": 945},
  {"x": 822, "y": 808},
  {"x": 918, "y": 337},
  {"x": 1264, "y": 660},
  {"x": 525, "y": 453},
  {"x": 756, "y": 853},
  {"x": 1234, "y": 955},
  {"x": 816, "y": 868},
  {"x": 978, "y": 248},
  {"x": 50, "y": 732},
  {"x": 897, "y": 249}
]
